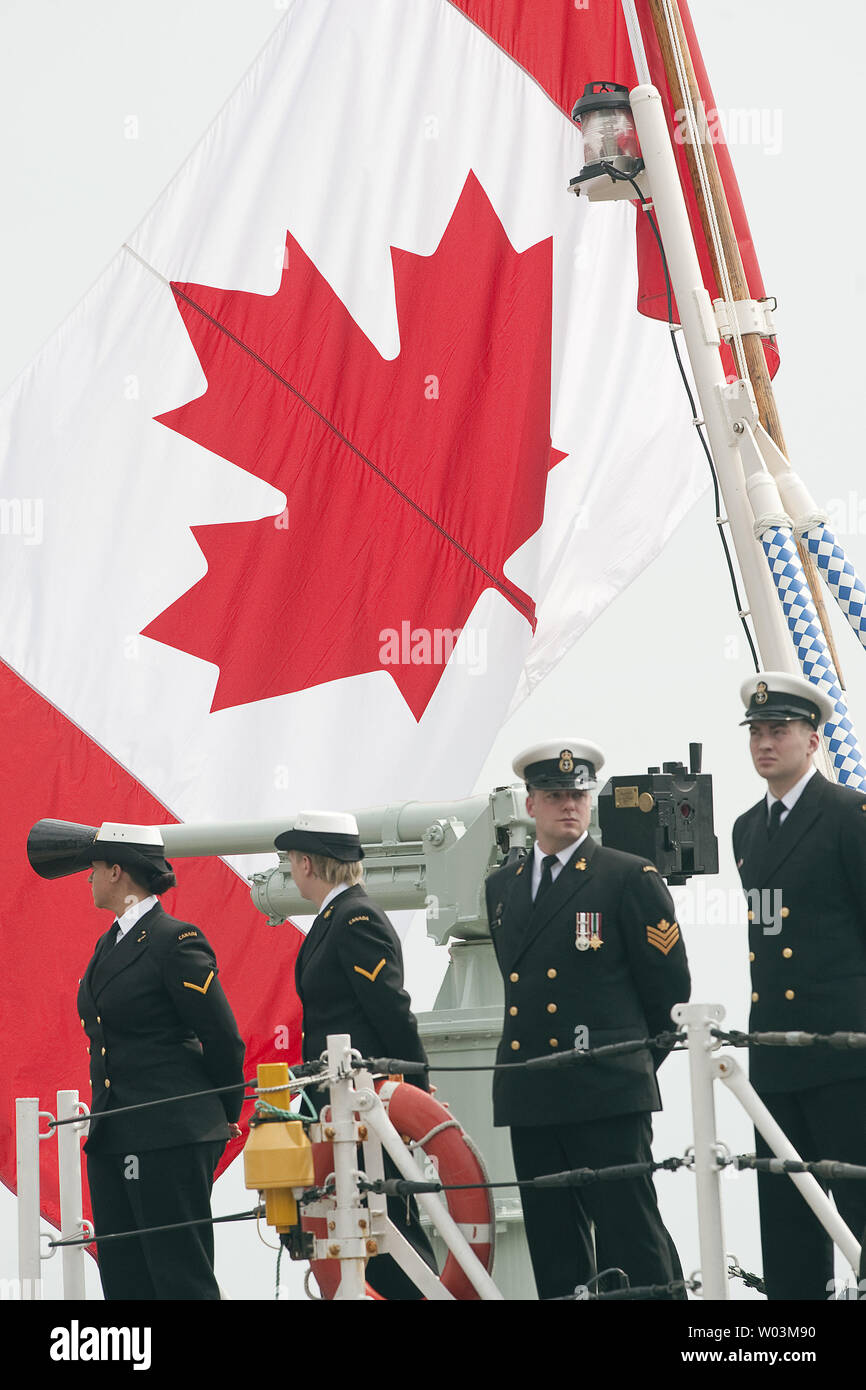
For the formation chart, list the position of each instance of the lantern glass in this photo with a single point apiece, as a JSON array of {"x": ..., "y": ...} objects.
[{"x": 607, "y": 133}]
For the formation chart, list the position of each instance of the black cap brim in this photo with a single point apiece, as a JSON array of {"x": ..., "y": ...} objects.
[
  {"x": 58, "y": 848},
  {"x": 346, "y": 848}
]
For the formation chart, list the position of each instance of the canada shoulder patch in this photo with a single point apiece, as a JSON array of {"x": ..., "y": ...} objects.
[
  {"x": 184, "y": 934},
  {"x": 363, "y": 917}
]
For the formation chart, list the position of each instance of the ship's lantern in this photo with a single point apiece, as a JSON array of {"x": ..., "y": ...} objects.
[{"x": 609, "y": 136}]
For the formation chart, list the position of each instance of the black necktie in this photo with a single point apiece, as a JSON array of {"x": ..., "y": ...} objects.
[
  {"x": 546, "y": 875},
  {"x": 775, "y": 818},
  {"x": 117, "y": 936}
]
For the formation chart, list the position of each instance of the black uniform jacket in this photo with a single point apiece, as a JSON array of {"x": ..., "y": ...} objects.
[
  {"x": 809, "y": 961},
  {"x": 349, "y": 979},
  {"x": 158, "y": 1024},
  {"x": 622, "y": 988}
]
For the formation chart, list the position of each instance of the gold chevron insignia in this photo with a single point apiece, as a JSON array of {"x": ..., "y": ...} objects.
[
  {"x": 364, "y": 917},
  {"x": 202, "y": 989},
  {"x": 650, "y": 869},
  {"x": 369, "y": 975},
  {"x": 664, "y": 936}
]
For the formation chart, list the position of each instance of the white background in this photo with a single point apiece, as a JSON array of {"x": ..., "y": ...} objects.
[{"x": 664, "y": 663}]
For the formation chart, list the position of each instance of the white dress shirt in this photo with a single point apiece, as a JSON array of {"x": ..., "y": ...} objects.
[
  {"x": 790, "y": 799},
  {"x": 539, "y": 856},
  {"x": 334, "y": 893},
  {"x": 134, "y": 913}
]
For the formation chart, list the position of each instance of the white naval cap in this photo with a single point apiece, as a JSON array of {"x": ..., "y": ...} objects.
[
  {"x": 332, "y": 833},
  {"x": 779, "y": 697},
  {"x": 562, "y": 762}
]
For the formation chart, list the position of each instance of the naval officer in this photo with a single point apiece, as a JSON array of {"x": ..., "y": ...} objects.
[
  {"x": 349, "y": 979},
  {"x": 158, "y": 1024},
  {"x": 590, "y": 953},
  {"x": 801, "y": 855}
]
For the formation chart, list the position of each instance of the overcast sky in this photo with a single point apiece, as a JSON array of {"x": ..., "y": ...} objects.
[{"x": 663, "y": 665}]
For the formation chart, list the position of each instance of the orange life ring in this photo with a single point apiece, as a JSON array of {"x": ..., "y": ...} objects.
[{"x": 422, "y": 1121}]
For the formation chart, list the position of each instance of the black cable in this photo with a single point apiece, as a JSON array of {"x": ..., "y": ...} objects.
[
  {"x": 304, "y": 1069},
  {"x": 146, "y": 1104},
  {"x": 831, "y": 1169},
  {"x": 618, "y": 174},
  {"x": 751, "y": 1281},
  {"x": 793, "y": 1038},
  {"x": 574, "y": 1177},
  {"x": 662, "y": 1042},
  {"x": 640, "y": 1291},
  {"x": 152, "y": 1230}
]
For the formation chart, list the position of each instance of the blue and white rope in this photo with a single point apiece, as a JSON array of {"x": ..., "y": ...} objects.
[
  {"x": 812, "y": 653},
  {"x": 840, "y": 575}
]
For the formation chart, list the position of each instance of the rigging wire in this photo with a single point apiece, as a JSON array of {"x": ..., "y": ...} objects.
[
  {"x": 698, "y": 422},
  {"x": 695, "y": 135}
]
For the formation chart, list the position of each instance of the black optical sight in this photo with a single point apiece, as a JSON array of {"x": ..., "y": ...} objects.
[{"x": 665, "y": 815}]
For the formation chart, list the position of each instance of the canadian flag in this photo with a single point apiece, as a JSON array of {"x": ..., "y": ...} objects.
[{"x": 345, "y": 448}]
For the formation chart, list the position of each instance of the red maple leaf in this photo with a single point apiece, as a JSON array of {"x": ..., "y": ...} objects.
[{"x": 408, "y": 483}]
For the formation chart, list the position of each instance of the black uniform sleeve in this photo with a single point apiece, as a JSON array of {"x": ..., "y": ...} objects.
[
  {"x": 372, "y": 960},
  {"x": 852, "y": 845},
  {"x": 657, "y": 954},
  {"x": 189, "y": 971}
]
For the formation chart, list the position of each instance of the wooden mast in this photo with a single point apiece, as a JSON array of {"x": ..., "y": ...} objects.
[{"x": 753, "y": 350}]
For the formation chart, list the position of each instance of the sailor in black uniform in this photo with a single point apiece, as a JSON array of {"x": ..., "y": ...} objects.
[
  {"x": 157, "y": 1024},
  {"x": 801, "y": 855},
  {"x": 349, "y": 979},
  {"x": 590, "y": 953}
]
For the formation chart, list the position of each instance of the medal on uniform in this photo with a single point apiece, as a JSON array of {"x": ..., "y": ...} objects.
[{"x": 588, "y": 931}]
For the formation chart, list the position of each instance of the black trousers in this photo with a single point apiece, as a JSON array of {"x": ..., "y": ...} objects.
[
  {"x": 821, "y": 1122},
  {"x": 629, "y": 1232},
  {"x": 383, "y": 1273},
  {"x": 156, "y": 1188}
]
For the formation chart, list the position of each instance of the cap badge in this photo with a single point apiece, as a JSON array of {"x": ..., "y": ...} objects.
[
  {"x": 566, "y": 760},
  {"x": 761, "y": 693}
]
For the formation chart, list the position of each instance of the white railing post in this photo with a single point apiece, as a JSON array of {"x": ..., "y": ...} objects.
[
  {"x": 342, "y": 1131},
  {"x": 71, "y": 1208},
  {"x": 27, "y": 1172},
  {"x": 730, "y": 1071},
  {"x": 27, "y": 1166},
  {"x": 699, "y": 1019}
]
